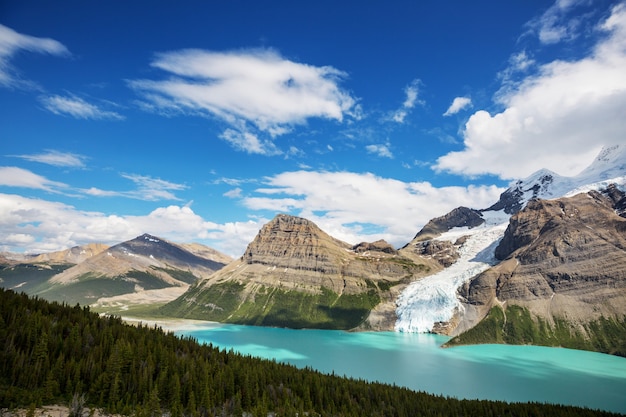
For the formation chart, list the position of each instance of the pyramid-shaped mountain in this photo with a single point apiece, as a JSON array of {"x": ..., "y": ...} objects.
[
  {"x": 293, "y": 274},
  {"x": 147, "y": 268}
]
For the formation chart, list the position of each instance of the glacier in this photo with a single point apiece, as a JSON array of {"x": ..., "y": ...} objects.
[{"x": 434, "y": 299}]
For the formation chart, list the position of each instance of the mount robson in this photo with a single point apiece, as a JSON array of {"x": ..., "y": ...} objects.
[{"x": 545, "y": 265}]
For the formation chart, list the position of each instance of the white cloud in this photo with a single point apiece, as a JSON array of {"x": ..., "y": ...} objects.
[
  {"x": 234, "y": 193},
  {"x": 248, "y": 89},
  {"x": 558, "y": 118},
  {"x": 395, "y": 210},
  {"x": 458, "y": 104},
  {"x": 11, "y": 42},
  {"x": 411, "y": 92},
  {"x": 77, "y": 108},
  {"x": 57, "y": 158},
  {"x": 554, "y": 25},
  {"x": 355, "y": 207},
  {"x": 148, "y": 189},
  {"x": 520, "y": 64},
  {"x": 36, "y": 226},
  {"x": 19, "y": 177},
  {"x": 249, "y": 142},
  {"x": 380, "y": 150}
]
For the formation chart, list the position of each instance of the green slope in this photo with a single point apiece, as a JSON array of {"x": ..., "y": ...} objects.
[
  {"x": 515, "y": 325},
  {"x": 228, "y": 303}
]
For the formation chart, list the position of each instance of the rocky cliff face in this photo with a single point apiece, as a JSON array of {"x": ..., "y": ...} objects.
[
  {"x": 563, "y": 261},
  {"x": 292, "y": 262}
]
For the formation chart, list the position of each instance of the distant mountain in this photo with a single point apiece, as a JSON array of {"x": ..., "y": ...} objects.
[
  {"x": 22, "y": 272},
  {"x": 608, "y": 167},
  {"x": 74, "y": 255},
  {"x": 146, "y": 269},
  {"x": 293, "y": 274}
]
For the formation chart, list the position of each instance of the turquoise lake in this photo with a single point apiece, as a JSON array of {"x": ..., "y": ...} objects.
[{"x": 496, "y": 372}]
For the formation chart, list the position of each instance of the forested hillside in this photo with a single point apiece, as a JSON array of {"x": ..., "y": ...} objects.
[{"x": 51, "y": 353}]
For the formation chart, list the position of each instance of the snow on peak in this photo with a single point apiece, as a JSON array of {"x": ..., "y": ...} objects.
[
  {"x": 609, "y": 164},
  {"x": 541, "y": 184},
  {"x": 150, "y": 238},
  {"x": 608, "y": 167}
]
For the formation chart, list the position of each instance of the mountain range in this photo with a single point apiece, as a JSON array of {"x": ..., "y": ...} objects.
[
  {"x": 144, "y": 270},
  {"x": 545, "y": 264}
]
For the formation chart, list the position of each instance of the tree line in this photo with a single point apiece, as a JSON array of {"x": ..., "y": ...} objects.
[{"x": 53, "y": 353}]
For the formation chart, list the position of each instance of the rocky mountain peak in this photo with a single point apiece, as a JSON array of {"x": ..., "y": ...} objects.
[
  {"x": 155, "y": 248},
  {"x": 378, "y": 246},
  {"x": 295, "y": 242},
  {"x": 538, "y": 185},
  {"x": 618, "y": 197},
  {"x": 458, "y": 217}
]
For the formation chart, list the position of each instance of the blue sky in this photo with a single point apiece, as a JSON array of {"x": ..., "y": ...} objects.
[{"x": 200, "y": 121}]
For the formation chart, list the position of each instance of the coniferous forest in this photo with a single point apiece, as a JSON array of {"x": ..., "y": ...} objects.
[{"x": 52, "y": 353}]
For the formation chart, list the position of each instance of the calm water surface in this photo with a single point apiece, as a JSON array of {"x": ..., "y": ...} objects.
[{"x": 496, "y": 372}]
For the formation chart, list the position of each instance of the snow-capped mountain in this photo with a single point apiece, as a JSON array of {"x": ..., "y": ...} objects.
[
  {"x": 426, "y": 304},
  {"x": 608, "y": 167}
]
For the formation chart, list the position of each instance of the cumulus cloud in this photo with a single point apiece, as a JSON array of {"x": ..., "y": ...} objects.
[
  {"x": 380, "y": 150},
  {"x": 19, "y": 177},
  {"x": 558, "y": 118},
  {"x": 56, "y": 158},
  {"x": 248, "y": 89},
  {"x": 348, "y": 205},
  {"x": 36, "y": 226},
  {"x": 77, "y": 107},
  {"x": 11, "y": 42},
  {"x": 458, "y": 104},
  {"x": 411, "y": 92}
]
